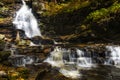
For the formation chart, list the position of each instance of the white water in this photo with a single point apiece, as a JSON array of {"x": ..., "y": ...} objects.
[
  {"x": 26, "y": 21},
  {"x": 70, "y": 73},
  {"x": 83, "y": 61},
  {"x": 32, "y": 44},
  {"x": 62, "y": 57},
  {"x": 55, "y": 58},
  {"x": 22, "y": 60},
  {"x": 114, "y": 58}
]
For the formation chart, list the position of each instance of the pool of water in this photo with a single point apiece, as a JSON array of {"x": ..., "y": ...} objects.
[{"x": 101, "y": 72}]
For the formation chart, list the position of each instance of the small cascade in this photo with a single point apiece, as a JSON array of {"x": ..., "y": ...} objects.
[
  {"x": 113, "y": 55},
  {"x": 55, "y": 58},
  {"x": 65, "y": 58},
  {"x": 85, "y": 58},
  {"x": 26, "y": 21},
  {"x": 82, "y": 60},
  {"x": 69, "y": 57},
  {"x": 21, "y": 60}
]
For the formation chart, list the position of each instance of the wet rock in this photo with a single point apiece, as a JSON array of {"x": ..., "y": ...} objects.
[
  {"x": 29, "y": 50},
  {"x": 47, "y": 42},
  {"x": 3, "y": 73},
  {"x": 8, "y": 2},
  {"x": 2, "y": 45},
  {"x": 4, "y": 55},
  {"x": 48, "y": 73},
  {"x": 1, "y": 4},
  {"x": 47, "y": 50},
  {"x": 24, "y": 42},
  {"x": 6, "y": 22},
  {"x": 23, "y": 73},
  {"x": 13, "y": 74},
  {"x": 36, "y": 40},
  {"x": 23, "y": 60},
  {"x": 2, "y": 36}
]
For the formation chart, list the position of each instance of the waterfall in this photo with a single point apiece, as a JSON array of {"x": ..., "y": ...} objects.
[
  {"x": 26, "y": 21},
  {"x": 55, "y": 58},
  {"x": 82, "y": 60},
  {"x": 21, "y": 60},
  {"x": 113, "y": 55},
  {"x": 71, "y": 60},
  {"x": 62, "y": 56},
  {"x": 66, "y": 58}
]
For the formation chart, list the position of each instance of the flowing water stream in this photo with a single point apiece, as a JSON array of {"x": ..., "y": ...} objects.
[
  {"x": 114, "y": 55},
  {"x": 70, "y": 61},
  {"x": 19, "y": 60},
  {"x": 26, "y": 21}
]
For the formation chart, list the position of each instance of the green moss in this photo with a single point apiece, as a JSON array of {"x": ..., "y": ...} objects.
[
  {"x": 2, "y": 45},
  {"x": 4, "y": 11},
  {"x": 53, "y": 9},
  {"x": 24, "y": 72},
  {"x": 23, "y": 42},
  {"x": 4, "y": 55},
  {"x": 75, "y": 6},
  {"x": 104, "y": 12}
]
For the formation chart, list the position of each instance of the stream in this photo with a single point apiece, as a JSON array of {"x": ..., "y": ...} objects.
[
  {"x": 75, "y": 63},
  {"x": 56, "y": 62}
]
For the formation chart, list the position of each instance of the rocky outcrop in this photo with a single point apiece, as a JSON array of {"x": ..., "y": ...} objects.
[{"x": 47, "y": 72}]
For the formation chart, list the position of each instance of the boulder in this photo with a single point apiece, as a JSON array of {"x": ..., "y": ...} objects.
[
  {"x": 4, "y": 55},
  {"x": 2, "y": 36},
  {"x": 48, "y": 73},
  {"x": 3, "y": 73},
  {"x": 47, "y": 42}
]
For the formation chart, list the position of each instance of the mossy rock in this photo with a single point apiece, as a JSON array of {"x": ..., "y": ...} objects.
[
  {"x": 7, "y": 1},
  {"x": 3, "y": 79},
  {"x": 23, "y": 73},
  {"x": 46, "y": 72},
  {"x": 23, "y": 42},
  {"x": 2, "y": 45},
  {"x": 2, "y": 36},
  {"x": 13, "y": 75},
  {"x": 4, "y": 55}
]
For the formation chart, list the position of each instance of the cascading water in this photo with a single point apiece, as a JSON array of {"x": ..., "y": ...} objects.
[
  {"x": 68, "y": 57},
  {"x": 83, "y": 61},
  {"x": 114, "y": 55},
  {"x": 22, "y": 60},
  {"x": 65, "y": 58},
  {"x": 25, "y": 20},
  {"x": 55, "y": 58}
]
